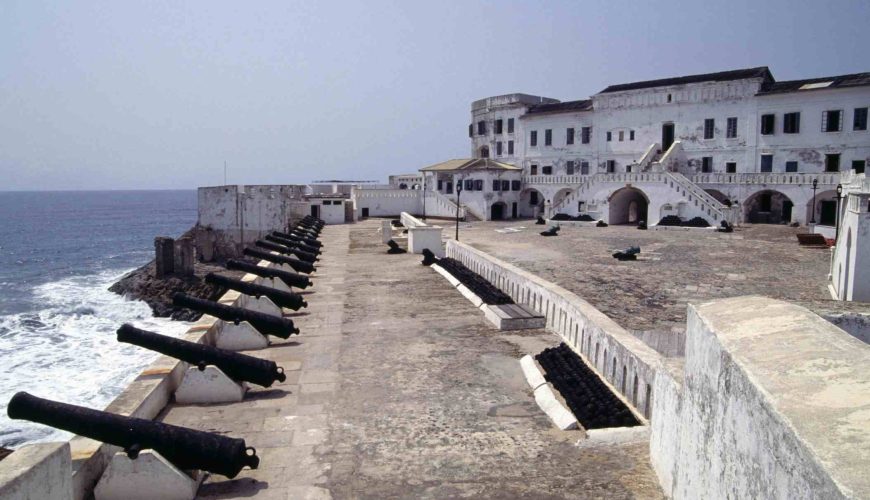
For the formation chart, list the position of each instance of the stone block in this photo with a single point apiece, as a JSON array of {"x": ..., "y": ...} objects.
[
  {"x": 148, "y": 477},
  {"x": 37, "y": 471},
  {"x": 210, "y": 385},
  {"x": 241, "y": 337},
  {"x": 164, "y": 258}
]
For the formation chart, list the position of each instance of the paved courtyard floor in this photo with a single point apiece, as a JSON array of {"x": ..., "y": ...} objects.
[
  {"x": 398, "y": 388},
  {"x": 673, "y": 268}
]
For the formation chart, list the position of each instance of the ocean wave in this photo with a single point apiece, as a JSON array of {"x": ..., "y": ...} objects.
[{"x": 65, "y": 349}]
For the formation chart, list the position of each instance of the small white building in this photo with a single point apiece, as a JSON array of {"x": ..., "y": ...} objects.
[
  {"x": 486, "y": 189},
  {"x": 850, "y": 265}
]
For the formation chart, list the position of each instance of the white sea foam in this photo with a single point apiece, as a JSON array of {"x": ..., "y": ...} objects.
[{"x": 67, "y": 350}]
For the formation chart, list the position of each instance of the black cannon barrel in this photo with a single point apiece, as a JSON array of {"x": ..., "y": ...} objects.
[
  {"x": 281, "y": 298},
  {"x": 287, "y": 250},
  {"x": 315, "y": 223},
  {"x": 297, "y": 265},
  {"x": 237, "y": 366},
  {"x": 185, "y": 448},
  {"x": 297, "y": 237},
  {"x": 289, "y": 278},
  {"x": 293, "y": 244},
  {"x": 304, "y": 233},
  {"x": 264, "y": 323}
]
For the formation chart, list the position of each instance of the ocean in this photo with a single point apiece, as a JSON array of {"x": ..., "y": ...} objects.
[{"x": 59, "y": 253}]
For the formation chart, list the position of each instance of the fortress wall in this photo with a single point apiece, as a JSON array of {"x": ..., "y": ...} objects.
[
  {"x": 588, "y": 331},
  {"x": 772, "y": 403}
]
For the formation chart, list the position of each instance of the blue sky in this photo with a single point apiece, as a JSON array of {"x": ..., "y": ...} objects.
[{"x": 157, "y": 95}]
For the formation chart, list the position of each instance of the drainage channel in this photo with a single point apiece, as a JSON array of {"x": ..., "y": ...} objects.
[{"x": 590, "y": 399}]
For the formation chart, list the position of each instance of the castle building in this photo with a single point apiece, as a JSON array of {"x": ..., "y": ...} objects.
[{"x": 736, "y": 145}]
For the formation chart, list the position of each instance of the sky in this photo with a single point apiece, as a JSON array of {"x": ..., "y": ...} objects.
[{"x": 160, "y": 94}]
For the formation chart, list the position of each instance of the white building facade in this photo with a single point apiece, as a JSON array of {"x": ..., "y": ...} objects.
[{"x": 734, "y": 146}]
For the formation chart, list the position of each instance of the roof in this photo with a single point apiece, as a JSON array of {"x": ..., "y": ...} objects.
[
  {"x": 469, "y": 164},
  {"x": 829, "y": 82},
  {"x": 737, "y": 74},
  {"x": 581, "y": 105}
]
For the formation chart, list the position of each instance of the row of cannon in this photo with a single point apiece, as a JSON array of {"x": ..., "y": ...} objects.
[{"x": 189, "y": 449}]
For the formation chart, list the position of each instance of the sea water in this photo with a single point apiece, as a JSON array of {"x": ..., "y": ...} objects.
[{"x": 59, "y": 253}]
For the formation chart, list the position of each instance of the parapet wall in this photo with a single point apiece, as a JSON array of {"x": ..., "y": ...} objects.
[
  {"x": 774, "y": 403},
  {"x": 629, "y": 365}
]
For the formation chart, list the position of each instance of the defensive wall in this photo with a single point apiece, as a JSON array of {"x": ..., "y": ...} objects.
[{"x": 769, "y": 401}]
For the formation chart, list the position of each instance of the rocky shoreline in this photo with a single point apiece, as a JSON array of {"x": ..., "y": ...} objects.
[{"x": 141, "y": 284}]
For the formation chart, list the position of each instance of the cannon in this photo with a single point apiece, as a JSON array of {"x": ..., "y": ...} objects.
[
  {"x": 297, "y": 265},
  {"x": 552, "y": 231},
  {"x": 601, "y": 223},
  {"x": 289, "y": 278},
  {"x": 264, "y": 323},
  {"x": 312, "y": 223},
  {"x": 629, "y": 253},
  {"x": 725, "y": 227},
  {"x": 641, "y": 224},
  {"x": 311, "y": 231},
  {"x": 237, "y": 366},
  {"x": 428, "y": 257},
  {"x": 290, "y": 243},
  {"x": 187, "y": 449},
  {"x": 296, "y": 236},
  {"x": 540, "y": 221},
  {"x": 281, "y": 298},
  {"x": 285, "y": 250},
  {"x": 394, "y": 247},
  {"x": 299, "y": 254}
]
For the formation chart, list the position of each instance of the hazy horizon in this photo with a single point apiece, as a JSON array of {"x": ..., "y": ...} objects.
[{"x": 115, "y": 96}]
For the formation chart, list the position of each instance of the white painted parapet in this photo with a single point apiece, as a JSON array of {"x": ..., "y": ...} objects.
[
  {"x": 41, "y": 471},
  {"x": 774, "y": 402},
  {"x": 422, "y": 236},
  {"x": 617, "y": 356}
]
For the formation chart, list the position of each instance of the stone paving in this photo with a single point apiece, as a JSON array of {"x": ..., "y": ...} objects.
[
  {"x": 398, "y": 388},
  {"x": 673, "y": 268}
]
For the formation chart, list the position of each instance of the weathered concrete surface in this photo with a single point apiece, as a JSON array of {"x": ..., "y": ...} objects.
[
  {"x": 37, "y": 471},
  {"x": 399, "y": 388}
]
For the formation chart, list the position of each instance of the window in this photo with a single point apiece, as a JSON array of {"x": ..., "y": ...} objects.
[
  {"x": 791, "y": 123},
  {"x": 609, "y": 136},
  {"x": 621, "y": 135},
  {"x": 329, "y": 202},
  {"x": 731, "y": 128},
  {"x": 469, "y": 185},
  {"x": 767, "y": 123},
  {"x": 791, "y": 166},
  {"x": 533, "y": 170},
  {"x": 631, "y": 135},
  {"x": 478, "y": 185},
  {"x": 548, "y": 170},
  {"x": 707, "y": 164},
  {"x": 580, "y": 206},
  {"x": 859, "y": 165},
  {"x": 498, "y": 126},
  {"x": 498, "y": 148},
  {"x": 440, "y": 184},
  {"x": 731, "y": 167},
  {"x": 496, "y": 184},
  {"x": 510, "y": 148},
  {"x": 548, "y": 137},
  {"x": 510, "y": 125},
  {"x": 584, "y": 168},
  {"x": 586, "y": 135},
  {"x": 709, "y": 128},
  {"x": 859, "y": 119},
  {"x": 569, "y": 168},
  {"x": 670, "y": 98},
  {"x": 832, "y": 121},
  {"x": 832, "y": 162},
  {"x": 533, "y": 198},
  {"x": 470, "y": 130},
  {"x": 569, "y": 136},
  {"x": 481, "y": 128},
  {"x": 611, "y": 166},
  {"x": 515, "y": 185},
  {"x": 533, "y": 138},
  {"x": 505, "y": 185},
  {"x": 449, "y": 189},
  {"x": 767, "y": 163}
]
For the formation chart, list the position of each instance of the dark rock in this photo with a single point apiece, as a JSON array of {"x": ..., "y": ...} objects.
[{"x": 601, "y": 223}]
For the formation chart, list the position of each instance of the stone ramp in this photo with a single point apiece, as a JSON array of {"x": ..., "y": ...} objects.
[{"x": 399, "y": 388}]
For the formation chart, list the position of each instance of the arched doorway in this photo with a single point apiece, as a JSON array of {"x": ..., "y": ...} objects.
[
  {"x": 484, "y": 151},
  {"x": 559, "y": 197},
  {"x": 628, "y": 205},
  {"x": 768, "y": 207},
  {"x": 498, "y": 211},
  {"x": 531, "y": 203},
  {"x": 826, "y": 208}
]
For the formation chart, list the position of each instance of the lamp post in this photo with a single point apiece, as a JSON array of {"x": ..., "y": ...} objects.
[
  {"x": 458, "y": 193},
  {"x": 424, "y": 196},
  {"x": 813, "y": 214},
  {"x": 839, "y": 197}
]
